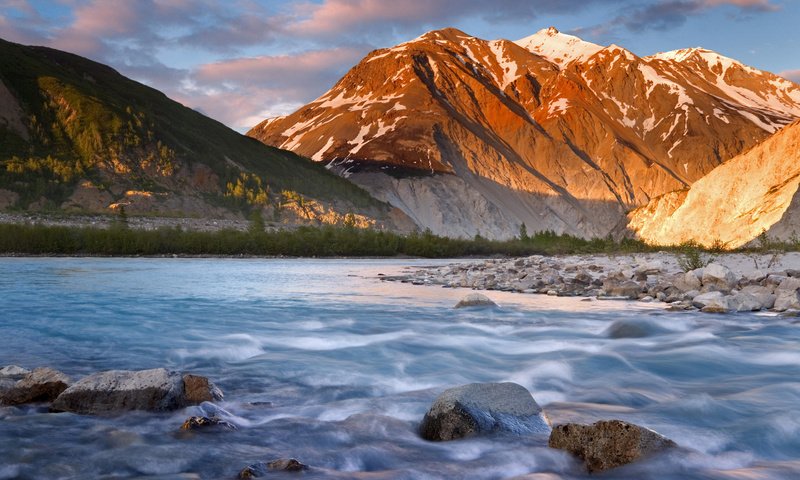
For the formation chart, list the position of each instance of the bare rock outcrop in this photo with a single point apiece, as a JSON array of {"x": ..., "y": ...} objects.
[{"x": 767, "y": 201}]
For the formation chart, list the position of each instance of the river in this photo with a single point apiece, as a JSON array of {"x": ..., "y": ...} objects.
[{"x": 322, "y": 361}]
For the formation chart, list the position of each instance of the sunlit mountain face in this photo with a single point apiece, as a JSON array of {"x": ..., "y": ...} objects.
[{"x": 470, "y": 136}]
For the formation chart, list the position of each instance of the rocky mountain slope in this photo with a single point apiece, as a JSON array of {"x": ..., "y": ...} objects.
[
  {"x": 751, "y": 194},
  {"x": 471, "y": 136},
  {"x": 75, "y": 135}
]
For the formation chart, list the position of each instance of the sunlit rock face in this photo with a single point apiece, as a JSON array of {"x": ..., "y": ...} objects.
[
  {"x": 550, "y": 131},
  {"x": 754, "y": 193}
]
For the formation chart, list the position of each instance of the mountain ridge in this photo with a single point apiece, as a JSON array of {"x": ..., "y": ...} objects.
[
  {"x": 76, "y": 135},
  {"x": 766, "y": 182},
  {"x": 568, "y": 146}
]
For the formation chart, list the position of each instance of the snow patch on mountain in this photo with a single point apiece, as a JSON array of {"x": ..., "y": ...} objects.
[{"x": 557, "y": 47}]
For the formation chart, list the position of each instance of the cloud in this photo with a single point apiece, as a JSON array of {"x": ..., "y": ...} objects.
[
  {"x": 243, "y": 91},
  {"x": 668, "y": 14},
  {"x": 793, "y": 75},
  {"x": 759, "y": 5},
  {"x": 219, "y": 57},
  {"x": 389, "y": 17}
]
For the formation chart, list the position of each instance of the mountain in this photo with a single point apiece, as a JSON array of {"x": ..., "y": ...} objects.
[
  {"x": 76, "y": 135},
  {"x": 753, "y": 193},
  {"x": 472, "y": 136}
]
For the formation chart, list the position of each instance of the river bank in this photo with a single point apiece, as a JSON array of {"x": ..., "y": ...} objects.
[{"x": 727, "y": 282}]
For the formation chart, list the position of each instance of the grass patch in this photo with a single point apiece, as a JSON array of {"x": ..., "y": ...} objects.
[{"x": 326, "y": 241}]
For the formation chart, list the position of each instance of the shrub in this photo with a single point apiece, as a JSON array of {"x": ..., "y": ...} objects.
[{"x": 691, "y": 256}]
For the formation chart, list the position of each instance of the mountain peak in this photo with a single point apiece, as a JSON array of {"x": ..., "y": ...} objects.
[
  {"x": 557, "y": 47},
  {"x": 448, "y": 33}
]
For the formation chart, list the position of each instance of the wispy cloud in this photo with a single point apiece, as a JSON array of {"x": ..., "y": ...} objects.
[
  {"x": 219, "y": 57},
  {"x": 668, "y": 14},
  {"x": 793, "y": 75}
]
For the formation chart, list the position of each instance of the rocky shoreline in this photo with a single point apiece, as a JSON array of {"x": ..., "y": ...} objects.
[{"x": 727, "y": 282}]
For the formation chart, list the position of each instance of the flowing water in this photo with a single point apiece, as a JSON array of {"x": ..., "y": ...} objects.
[{"x": 321, "y": 361}]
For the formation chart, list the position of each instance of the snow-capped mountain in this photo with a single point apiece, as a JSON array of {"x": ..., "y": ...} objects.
[{"x": 472, "y": 136}]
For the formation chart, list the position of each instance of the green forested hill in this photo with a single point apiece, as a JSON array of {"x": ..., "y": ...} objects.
[{"x": 75, "y": 133}]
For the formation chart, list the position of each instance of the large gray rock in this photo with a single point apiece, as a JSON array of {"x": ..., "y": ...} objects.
[
  {"x": 719, "y": 277},
  {"x": 481, "y": 408},
  {"x": 786, "y": 300},
  {"x": 41, "y": 385},
  {"x": 764, "y": 295},
  {"x": 790, "y": 283},
  {"x": 475, "y": 300},
  {"x": 745, "y": 302},
  {"x": 693, "y": 279},
  {"x": 713, "y": 301},
  {"x": 609, "y": 443},
  {"x": 121, "y": 390}
]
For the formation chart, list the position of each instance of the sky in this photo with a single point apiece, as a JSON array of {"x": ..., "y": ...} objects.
[{"x": 241, "y": 61}]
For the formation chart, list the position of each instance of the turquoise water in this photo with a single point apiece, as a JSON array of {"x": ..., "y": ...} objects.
[{"x": 322, "y": 361}]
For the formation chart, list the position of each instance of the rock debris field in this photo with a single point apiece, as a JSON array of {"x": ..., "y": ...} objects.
[{"x": 727, "y": 283}]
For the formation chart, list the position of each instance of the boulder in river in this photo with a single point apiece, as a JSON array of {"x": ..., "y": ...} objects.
[
  {"x": 634, "y": 328},
  {"x": 609, "y": 443},
  {"x": 259, "y": 469},
  {"x": 41, "y": 385},
  {"x": 482, "y": 408},
  {"x": 475, "y": 300},
  {"x": 112, "y": 391}
]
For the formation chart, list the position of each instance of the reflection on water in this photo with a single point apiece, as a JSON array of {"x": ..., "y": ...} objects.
[{"x": 322, "y": 361}]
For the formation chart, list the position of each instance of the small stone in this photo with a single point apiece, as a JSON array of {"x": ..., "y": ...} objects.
[
  {"x": 259, "y": 469},
  {"x": 13, "y": 371},
  {"x": 197, "y": 423},
  {"x": 475, "y": 300},
  {"x": 287, "y": 464},
  {"x": 608, "y": 444}
]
